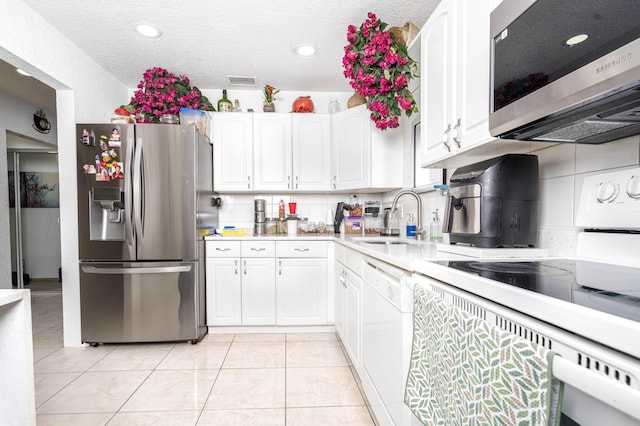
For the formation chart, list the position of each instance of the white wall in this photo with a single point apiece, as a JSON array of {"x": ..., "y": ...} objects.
[{"x": 86, "y": 92}]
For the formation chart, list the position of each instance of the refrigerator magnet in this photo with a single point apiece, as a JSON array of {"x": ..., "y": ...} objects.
[
  {"x": 116, "y": 171},
  {"x": 103, "y": 142},
  {"x": 89, "y": 169},
  {"x": 102, "y": 175},
  {"x": 114, "y": 139}
]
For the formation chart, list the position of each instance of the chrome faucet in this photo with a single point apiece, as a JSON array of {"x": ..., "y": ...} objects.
[{"x": 420, "y": 232}]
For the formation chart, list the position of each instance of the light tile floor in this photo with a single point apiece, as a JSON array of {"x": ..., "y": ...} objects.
[{"x": 227, "y": 379}]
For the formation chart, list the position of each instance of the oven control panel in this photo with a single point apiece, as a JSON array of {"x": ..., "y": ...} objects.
[{"x": 610, "y": 201}]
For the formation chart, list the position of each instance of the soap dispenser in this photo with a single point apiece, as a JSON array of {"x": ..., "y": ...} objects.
[
  {"x": 436, "y": 229},
  {"x": 411, "y": 226}
]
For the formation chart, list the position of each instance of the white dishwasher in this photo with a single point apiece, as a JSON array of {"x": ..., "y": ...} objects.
[{"x": 387, "y": 329}]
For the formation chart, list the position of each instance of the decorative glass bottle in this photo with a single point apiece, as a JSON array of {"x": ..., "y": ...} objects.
[{"x": 224, "y": 104}]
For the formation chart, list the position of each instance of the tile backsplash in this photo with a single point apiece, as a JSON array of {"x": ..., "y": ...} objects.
[{"x": 563, "y": 168}]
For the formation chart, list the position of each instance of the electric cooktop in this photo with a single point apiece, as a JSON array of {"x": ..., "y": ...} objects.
[{"x": 604, "y": 287}]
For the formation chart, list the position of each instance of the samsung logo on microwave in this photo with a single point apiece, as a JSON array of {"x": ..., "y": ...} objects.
[{"x": 613, "y": 63}]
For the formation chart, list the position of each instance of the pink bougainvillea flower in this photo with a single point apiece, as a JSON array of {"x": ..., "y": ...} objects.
[
  {"x": 380, "y": 69},
  {"x": 161, "y": 92}
]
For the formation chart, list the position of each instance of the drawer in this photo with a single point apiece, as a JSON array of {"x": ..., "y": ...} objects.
[
  {"x": 222, "y": 249},
  {"x": 353, "y": 261},
  {"x": 258, "y": 249},
  {"x": 301, "y": 249}
]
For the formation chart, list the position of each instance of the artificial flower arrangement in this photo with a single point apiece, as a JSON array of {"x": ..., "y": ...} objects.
[
  {"x": 269, "y": 93},
  {"x": 380, "y": 70},
  {"x": 162, "y": 92}
]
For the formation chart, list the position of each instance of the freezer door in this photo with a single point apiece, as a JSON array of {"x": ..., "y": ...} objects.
[
  {"x": 165, "y": 191},
  {"x": 141, "y": 302},
  {"x": 104, "y": 161}
]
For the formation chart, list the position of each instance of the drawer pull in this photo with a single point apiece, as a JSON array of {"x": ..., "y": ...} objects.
[
  {"x": 222, "y": 249},
  {"x": 258, "y": 249},
  {"x": 301, "y": 249}
]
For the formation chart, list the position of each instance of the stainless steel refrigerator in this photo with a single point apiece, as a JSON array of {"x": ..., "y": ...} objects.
[{"x": 144, "y": 191}]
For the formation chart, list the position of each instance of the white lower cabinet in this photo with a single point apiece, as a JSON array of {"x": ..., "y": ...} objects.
[
  {"x": 264, "y": 282},
  {"x": 301, "y": 283},
  {"x": 240, "y": 283},
  {"x": 348, "y": 303},
  {"x": 258, "y": 292},
  {"x": 223, "y": 291}
]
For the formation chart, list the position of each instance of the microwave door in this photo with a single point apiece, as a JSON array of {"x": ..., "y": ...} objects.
[{"x": 165, "y": 192}]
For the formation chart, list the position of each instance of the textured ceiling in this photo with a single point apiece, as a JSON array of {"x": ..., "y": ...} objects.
[{"x": 207, "y": 40}]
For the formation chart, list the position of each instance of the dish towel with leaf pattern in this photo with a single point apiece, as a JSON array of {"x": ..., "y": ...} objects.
[{"x": 466, "y": 371}]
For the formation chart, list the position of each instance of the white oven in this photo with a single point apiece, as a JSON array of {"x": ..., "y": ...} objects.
[{"x": 586, "y": 308}]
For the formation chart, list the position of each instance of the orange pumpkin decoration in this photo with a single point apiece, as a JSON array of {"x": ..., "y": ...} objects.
[{"x": 303, "y": 104}]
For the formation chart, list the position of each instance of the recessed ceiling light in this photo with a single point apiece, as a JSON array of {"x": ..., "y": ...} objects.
[
  {"x": 23, "y": 72},
  {"x": 577, "y": 39},
  {"x": 305, "y": 50},
  {"x": 148, "y": 30}
]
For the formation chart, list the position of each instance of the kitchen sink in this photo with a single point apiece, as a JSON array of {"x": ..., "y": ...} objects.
[{"x": 386, "y": 242}]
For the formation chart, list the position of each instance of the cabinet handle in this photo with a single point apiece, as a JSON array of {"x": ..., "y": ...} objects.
[
  {"x": 296, "y": 182},
  {"x": 280, "y": 267},
  {"x": 301, "y": 249},
  {"x": 445, "y": 138},
  {"x": 248, "y": 182},
  {"x": 235, "y": 267},
  {"x": 455, "y": 133},
  {"x": 222, "y": 249},
  {"x": 245, "y": 267},
  {"x": 258, "y": 249},
  {"x": 288, "y": 182},
  {"x": 334, "y": 181}
]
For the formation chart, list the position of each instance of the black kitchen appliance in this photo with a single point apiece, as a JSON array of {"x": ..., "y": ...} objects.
[{"x": 494, "y": 203}]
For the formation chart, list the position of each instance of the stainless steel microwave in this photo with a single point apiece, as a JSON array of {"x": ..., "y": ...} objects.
[{"x": 565, "y": 71}]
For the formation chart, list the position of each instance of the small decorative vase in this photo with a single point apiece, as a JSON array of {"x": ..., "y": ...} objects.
[
  {"x": 268, "y": 107},
  {"x": 303, "y": 104},
  {"x": 355, "y": 100}
]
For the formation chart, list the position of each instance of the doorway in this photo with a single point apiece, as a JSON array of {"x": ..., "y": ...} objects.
[{"x": 34, "y": 208}]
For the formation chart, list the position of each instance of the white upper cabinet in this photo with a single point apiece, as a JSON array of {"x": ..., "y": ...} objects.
[
  {"x": 272, "y": 152},
  {"x": 311, "y": 152},
  {"x": 232, "y": 151},
  {"x": 455, "y": 79},
  {"x": 364, "y": 157}
]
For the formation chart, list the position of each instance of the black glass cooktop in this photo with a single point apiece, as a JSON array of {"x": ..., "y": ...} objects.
[{"x": 608, "y": 288}]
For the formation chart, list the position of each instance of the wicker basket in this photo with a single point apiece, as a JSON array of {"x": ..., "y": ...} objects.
[{"x": 405, "y": 34}]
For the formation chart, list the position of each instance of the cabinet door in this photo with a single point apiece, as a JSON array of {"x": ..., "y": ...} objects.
[
  {"x": 472, "y": 69},
  {"x": 232, "y": 151},
  {"x": 272, "y": 152},
  {"x": 437, "y": 69},
  {"x": 351, "y": 148},
  {"x": 258, "y": 292},
  {"x": 353, "y": 322},
  {"x": 311, "y": 152},
  {"x": 340, "y": 290},
  {"x": 301, "y": 291},
  {"x": 223, "y": 291}
]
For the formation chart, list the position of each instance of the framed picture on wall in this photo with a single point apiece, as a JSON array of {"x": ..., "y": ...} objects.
[{"x": 37, "y": 190}]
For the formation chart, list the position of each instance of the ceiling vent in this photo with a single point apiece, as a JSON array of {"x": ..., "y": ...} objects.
[{"x": 241, "y": 80}]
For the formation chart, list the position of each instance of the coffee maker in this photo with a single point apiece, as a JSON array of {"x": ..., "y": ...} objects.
[{"x": 494, "y": 203}]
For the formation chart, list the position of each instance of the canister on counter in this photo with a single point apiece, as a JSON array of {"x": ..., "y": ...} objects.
[
  {"x": 303, "y": 223},
  {"x": 292, "y": 225},
  {"x": 281, "y": 226},
  {"x": 271, "y": 226}
]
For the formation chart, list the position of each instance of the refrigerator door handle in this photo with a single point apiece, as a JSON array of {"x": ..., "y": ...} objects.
[
  {"x": 137, "y": 190},
  {"x": 128, "y": 201},
  {"x": 132, "y": 271}
]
